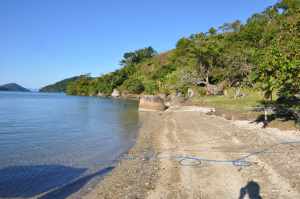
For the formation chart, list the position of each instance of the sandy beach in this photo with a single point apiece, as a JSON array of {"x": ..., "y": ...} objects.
[{"x": 184, "y": 153}]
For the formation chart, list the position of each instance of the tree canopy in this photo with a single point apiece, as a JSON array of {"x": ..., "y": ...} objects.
[{"x": 261, "y": 53}]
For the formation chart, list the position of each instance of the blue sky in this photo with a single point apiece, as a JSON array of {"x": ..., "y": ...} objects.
[{"x": 44, "y": 41}]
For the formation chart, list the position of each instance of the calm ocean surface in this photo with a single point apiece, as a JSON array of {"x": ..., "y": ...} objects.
[{"x": 52, "y": 145}]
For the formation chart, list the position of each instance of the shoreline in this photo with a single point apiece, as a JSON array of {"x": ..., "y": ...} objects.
[
  {"x": 142, "y": 174},
  {"x": 136, "y": 173}
]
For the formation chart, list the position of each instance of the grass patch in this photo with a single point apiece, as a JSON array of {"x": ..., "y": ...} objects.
[
  {"x": 243, "y": 108},
  {"x": 250, "y": 100}
]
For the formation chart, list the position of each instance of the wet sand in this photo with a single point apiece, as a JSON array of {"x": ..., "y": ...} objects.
[{"x": 187, "y": 154}]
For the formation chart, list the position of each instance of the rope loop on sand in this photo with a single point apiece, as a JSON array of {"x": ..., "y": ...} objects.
[{"x": 195, "y": 161}]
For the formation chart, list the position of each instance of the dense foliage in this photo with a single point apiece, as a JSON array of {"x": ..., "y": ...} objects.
[
  {"x": 60, "y": 86},
  {"x": 263, "y": 53}
]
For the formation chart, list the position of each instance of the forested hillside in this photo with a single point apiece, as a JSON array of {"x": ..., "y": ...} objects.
[
  {"x": 60, "y": 86},
  {"x": 13, "y": 87},
  {"x": 263, "y": 53}
]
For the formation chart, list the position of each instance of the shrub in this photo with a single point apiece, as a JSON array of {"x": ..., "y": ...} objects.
[
  {"x": 163, "y": 71},
  {"x": 151, "y": 87},
  {"x": 200, "y": 91},
  {"x": 134, "y": 86}
]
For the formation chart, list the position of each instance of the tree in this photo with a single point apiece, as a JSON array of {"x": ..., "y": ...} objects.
[
  {"x": 236, "y": 64},
  {"x": 80, "y": 87},
  {"x": 212, "y": 31},
  {"x": 231, "y": 27},
  {"x": 137, "y": 56},
  {"x": 206, "y": 53},
  {"x": 133, "y": 85},
  {"x": 277, "y": 72},
  {"x": 288, "y": 6},
  {"x": 267, "y": 46},
  {"x": 236, "y": 26}
]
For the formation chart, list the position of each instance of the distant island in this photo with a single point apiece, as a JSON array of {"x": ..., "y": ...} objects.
[
  {"x": 60, "y": 86},
  {"x": 13, "y": 87}
]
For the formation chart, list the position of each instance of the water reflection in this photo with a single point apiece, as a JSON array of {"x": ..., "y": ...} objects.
[{"x": 58, "y": 135}]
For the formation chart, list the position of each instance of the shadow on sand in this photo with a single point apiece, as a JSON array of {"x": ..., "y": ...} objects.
[
  {"x": 252, "y": 189},
  {"x": 283, "y": 109},
  {"x": 56, "y": 181}
]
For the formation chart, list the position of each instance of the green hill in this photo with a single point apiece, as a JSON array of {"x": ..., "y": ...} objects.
[
  {"x": 13, "y": 87},
  {"x": 263, "y": 53},
  {"x": 60, "y": 86}
]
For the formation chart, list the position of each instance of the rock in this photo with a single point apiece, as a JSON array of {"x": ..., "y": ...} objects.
[
  {"x": 213, "y": 90},
  {"x": 126, "y": 95},
  {"x": 115, "y": 93},
  {"x": 167, "y": 104},
  {"x": 174, "y": 100},
  {"x": 151, "y": 103},
  {"x": 190, "y": 93},
  {"x": 178, "y": 94},
  {"x": 101, "y": 94},
  {"x": 163, "y": 96}
]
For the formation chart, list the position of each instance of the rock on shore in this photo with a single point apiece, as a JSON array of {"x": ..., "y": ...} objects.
[
  {"x": 151, "y": 103},
  {"x": 115, "y": 93}
]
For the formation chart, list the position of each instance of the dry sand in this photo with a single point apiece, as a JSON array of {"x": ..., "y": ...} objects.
[{"x": 184, "y": 153}]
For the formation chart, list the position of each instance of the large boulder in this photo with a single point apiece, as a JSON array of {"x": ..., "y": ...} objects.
[
  {"x": 151, "y": 103},
  {"x": 163, "y": 96},
  {"x": 116, "y": 93},
  {"x": 101, "y": 94}
]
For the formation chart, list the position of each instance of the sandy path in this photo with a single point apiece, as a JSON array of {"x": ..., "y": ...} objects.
[
  {"x": 272, "y": 174},
  {"x": 155, "y": 170}
]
